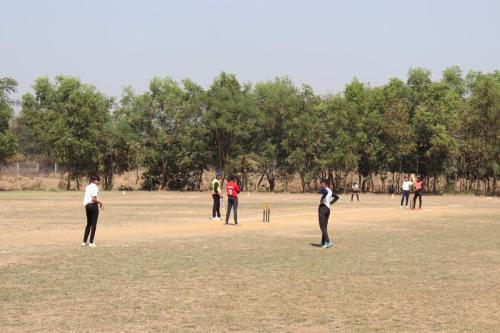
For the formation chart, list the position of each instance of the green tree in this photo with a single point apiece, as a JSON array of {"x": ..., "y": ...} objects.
[
  {"x": 435, "y": 122},
  {"x": 67, "y": 118},
  {"x": 305, "y": 138},
  {"x": 118, "y": 151},
  {"x": 277, "y": 101},
  {"x": 398, "y": 134},
  {"x": 7, "y": 138},
  {"x": 168, "y": 122},
  {"x": 481, "y": 128},
  {"x": 230, "y": 122}
]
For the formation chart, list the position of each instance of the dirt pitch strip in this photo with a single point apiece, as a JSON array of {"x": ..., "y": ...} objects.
[{"x": 162, "y": 266}]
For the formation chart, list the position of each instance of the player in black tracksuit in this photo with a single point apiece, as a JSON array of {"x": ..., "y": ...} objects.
[{"x": 328, "y": 197}]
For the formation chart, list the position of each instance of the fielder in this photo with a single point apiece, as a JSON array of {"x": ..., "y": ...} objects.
[
  {"x": 324, "y": 211},
  {"x": 92, "y": 205},
  {"x": 406, "y": 191}
]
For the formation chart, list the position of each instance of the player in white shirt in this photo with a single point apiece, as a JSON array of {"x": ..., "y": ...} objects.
[
  {"x": 406, "y": 191},
  {"x": 91, "y": 203}
]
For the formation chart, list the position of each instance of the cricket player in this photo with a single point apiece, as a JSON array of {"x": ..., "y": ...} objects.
[
  {"x": 232, "y": 190},
  {"x": 216, "y": 195},
  {"x": 91, "y": 203},
  {"x": 324, "y": 211},
  {"x": 406, "y": 191},
  {"x": 355, "y": 191},
  {"x": 419, "y": 186}
]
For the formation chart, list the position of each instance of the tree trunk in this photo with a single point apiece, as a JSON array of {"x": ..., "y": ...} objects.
[
  {"x": 163, "y": 181},
  {"x": 399, "y": 174},
  {"x": 271, "y": 179},
  {"x": 200, "y": 180},
  {"x": 494, "y": 185},
  {"x": 68, "y": 183},
  {"x": 345, "y": 181},
  {"x": 260, "y": 180},
  {"x": 303, "y": 181},
  {"x": 434, "y": 184}
]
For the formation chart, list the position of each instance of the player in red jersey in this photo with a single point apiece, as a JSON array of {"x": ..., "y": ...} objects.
[{"x": 232, "y": 199}]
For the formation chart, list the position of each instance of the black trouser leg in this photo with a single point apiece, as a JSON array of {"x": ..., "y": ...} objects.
[
  {"x": 357, "y": 196},
  {"x": 89, "y": 224},
  {"x": 229, "y": 207},
  {"x": 232, "y": 203},
  {"x": 216, "y": 206},
  {"x": 352, "y": 196},
  {"x": 419, "y": 195},
  {"x": 92, "y": 211},
  {"x": 406, "y": 195},
  {"x": 235, "y": 206},
  {"x": 323, "y": 216}
]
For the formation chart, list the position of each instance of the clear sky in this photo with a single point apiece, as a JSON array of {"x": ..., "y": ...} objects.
[{"x": 113, "y": 43}]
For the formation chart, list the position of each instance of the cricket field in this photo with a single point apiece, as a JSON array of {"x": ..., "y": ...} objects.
[{"x": 161, "y": 265}]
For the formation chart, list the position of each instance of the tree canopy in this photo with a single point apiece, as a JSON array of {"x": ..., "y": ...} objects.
[{"x": 446, "y": 129}]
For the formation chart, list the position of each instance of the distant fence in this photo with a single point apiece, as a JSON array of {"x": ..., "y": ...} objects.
[
  {"x": 51, "y": 170},
  {"x": 30, "y": 168}
]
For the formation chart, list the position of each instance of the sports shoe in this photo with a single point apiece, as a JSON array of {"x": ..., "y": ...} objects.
[
  {"x": 83, "y": 244},
  {"x": 401, "y": 207},
  {"x": 92, "y": 245},
  {"x": 327, "y": 245}
]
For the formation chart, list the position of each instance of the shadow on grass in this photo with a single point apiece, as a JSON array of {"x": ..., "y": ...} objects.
[{"x": 316, "y": 245}]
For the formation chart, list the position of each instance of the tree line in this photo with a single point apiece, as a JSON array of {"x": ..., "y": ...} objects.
[{"x": 447, "y": 129}]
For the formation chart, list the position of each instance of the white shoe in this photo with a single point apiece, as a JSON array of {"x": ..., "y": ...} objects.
[
  {"x": 83, "y": 244},
  {"x": 92, "y": 245},
  {"x": 401, "y": 207}
]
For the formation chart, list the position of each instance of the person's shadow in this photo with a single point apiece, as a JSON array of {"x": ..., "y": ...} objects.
[{"x": 316, "y": 245}]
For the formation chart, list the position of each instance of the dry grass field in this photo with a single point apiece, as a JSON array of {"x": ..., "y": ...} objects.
[{"x": 162, "y": 266}]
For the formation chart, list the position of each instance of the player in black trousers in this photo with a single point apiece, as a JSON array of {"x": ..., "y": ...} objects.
[
  {"x": 324, "y": 211},
  {"x": 91, "y": 204}
]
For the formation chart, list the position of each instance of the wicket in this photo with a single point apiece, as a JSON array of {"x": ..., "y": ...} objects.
[{"x": 266, "y": 212}]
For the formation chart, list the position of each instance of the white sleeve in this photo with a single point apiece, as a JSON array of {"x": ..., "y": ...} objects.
[{"x": 94, "y": 191}]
